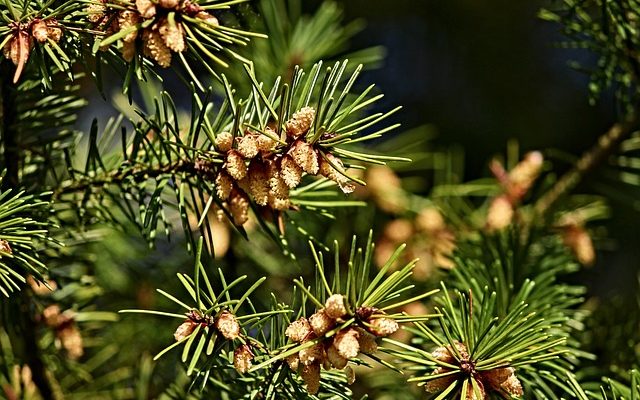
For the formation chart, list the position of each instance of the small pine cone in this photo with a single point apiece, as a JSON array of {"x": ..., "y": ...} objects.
[
  {"x": 224, "y": 142},
  {"x": 350, "y": 375},
  {"x": 471, "y": 392},
  {"x": 18, "y": 48},
  {"x": 52, "y": 315},
  {"x": 311, "y": 376},
  {"x": 313, "y": 354},
  {"x": 522, "y": 176},
  {"x": 224, "y": 185},
  {"x": 300, "y": 122},
  {"x": 184, "y": 330},
  {"x": 293, "y": 361},
  {"x": 71, "y": 341},
  {"x": 168, "y": 4},
  {"x": 235, "y": 165},
  {"x": 128, "y": 51},
  {"x": 172, "y": 34},
  {"x": 4, "y": 247},
  {"x": 500, "y": 213},
  {"x": 146, "y": 8},
  {"x": 96, "y": 11},
  {"x": 155, "y": 48},
  {"x": 346, "y": 342},
  {"x": 320, "y": 323},
  {"x": 305, "y": 156},
  {"x": 127, "y": 19},
  {"x": 278, "y": 203},
  {"x": 430, "y": 220},
  {"x": 242, "y": 358},
  {"x": 367, "y": 342},
  {"x": 208, "y": 18},
  {"x": 443, "y": 354},
  {"x": 258, "y": 183},
  {"x": 40, "y": 31},
  {"x": 239, "y": 207},
  {"x": 439, "y": 384},
  {"x": 334, "y": 357},
  {"x": 228, "y": 325},
  {"x": 299, "y": 330},
  {"x": 53, "y": 31},
  {"x": 513, "y": 386},
  {"x": 265, "y": 143},
  {"x": 290, "y": 172},
  {"x": 248, "y": 146},
  {"x": 336, "y": 173},
  {"x": 577, "y": 239},
  {"x": 334, "y": 306},
  {"x": 382, "y": 327}
]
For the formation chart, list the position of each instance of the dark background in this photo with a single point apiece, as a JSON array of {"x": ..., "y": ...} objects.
[{"x": 486, "y": 72}]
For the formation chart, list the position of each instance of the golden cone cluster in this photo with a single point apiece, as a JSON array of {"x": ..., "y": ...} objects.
[
  {"x": 336, "y": 351},
  {"x": 500, "y": 380},
  {"x": 576, "y": 237},
  {"x": 264, "y": 168},
  {"x": 21, "y": 41},
  {"x": 427, "y": 237},
  {"x": 515, "y": 185},
  {"x": 163, "y": 32},
  {"x": 67, "y": 333}
]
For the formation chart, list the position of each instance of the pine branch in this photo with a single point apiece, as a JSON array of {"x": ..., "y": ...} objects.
[{"x": 590, "y": 160}]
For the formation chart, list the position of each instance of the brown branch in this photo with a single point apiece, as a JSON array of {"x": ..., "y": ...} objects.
[
  {"x": 607, "y": 143},
  {"x": 137, "y": 173}
]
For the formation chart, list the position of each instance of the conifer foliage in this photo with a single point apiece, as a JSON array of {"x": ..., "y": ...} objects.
[{"x": 238, "y": 233}]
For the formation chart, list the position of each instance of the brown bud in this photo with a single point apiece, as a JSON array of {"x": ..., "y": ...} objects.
[
  {"x": 224, "y": 185},
  {"x": 242, "y": 358},
  {"x": 335, "y": 172},
  {"x": 439, "y": 384},
  {"x": 430, "y": 220},
  {"x": 235, "y": 165},
  {"x": 290, "y": 171},
  {"x": 522, "y": 176},
  {"x": 578, "y": 240},
  {"x": 224, "y": 141},
  {"x": 169, "y": 4},
  {"x": 172, "y": 34},
  {"x": 305, "y": 156},
  {"x": 298, "y": 330},
  {"x": 382, "y": 326},
  {"x": 500, "y": 213},
  {"x": 52, "y": 315},
  {"x": 350, "y": 375},
  {"x": 320, "y": 323},
  {"x": 248, "y": 146},
  {"x": 293, "y": 361},
  {"x": 278, "y": 203},
  {"x": 126, "y": 20},
  {"x": 5, "y": 247},
  {"x": 96, "y": 11},
  {"x": 346, "y": 342},
  {"x": 334, "y": 357},
  {"x": 300, "y": 121},
  {"x": 265, "y": 143},
  {"x": 367, "y": 342},
  {"x": 128, "y": 51},
  {"x": 313, "y": 354},
  {"x": 311, "y": 376},
  {"x": 334, "y": 306},
  {"x": 155, "y": 48},
  {"x": 239, "y": 207},
  {"x": 146, "y": 8},
  {"x": 184, "y": 330},
  {"x": 71, "y": 340},
  {"x": 39, "y": 31},
  {"x": 228, "y": 325},
  {"x": 258, "y": 185},
  {"x": 208, "y": 18}
]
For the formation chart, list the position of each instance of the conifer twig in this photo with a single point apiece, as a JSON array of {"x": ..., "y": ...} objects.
[{"x": 606, "y": 144}]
